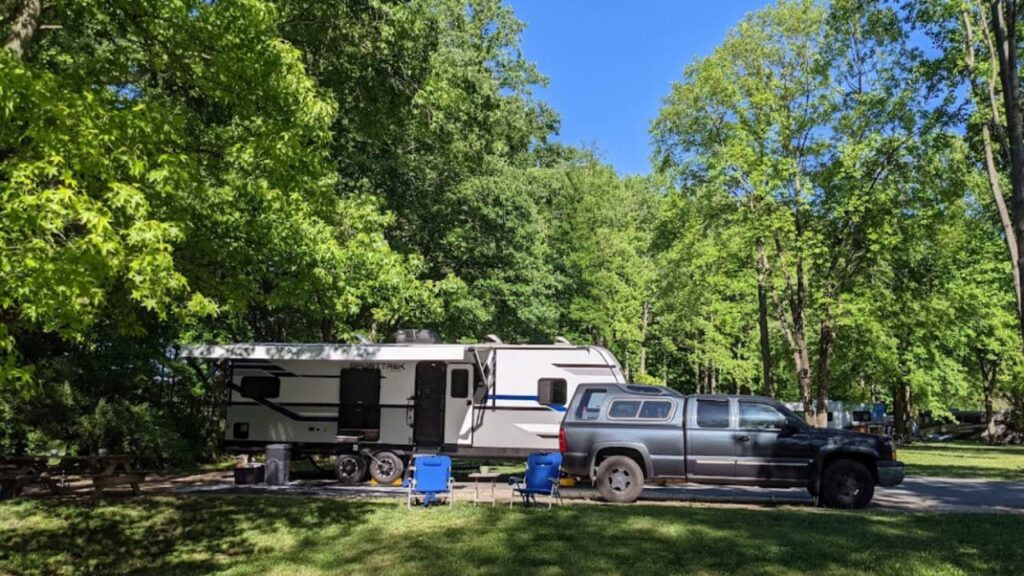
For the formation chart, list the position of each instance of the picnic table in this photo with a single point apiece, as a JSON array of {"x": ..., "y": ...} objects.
[
  {"x": 16, "y": 472},
  {"x": 105, "y": 471}
]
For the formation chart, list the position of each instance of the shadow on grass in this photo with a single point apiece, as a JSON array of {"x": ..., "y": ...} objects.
[
  {"x": 979, "y": 448},
  {"x": 954, "y": 471},
  {"x": 199, "y": 535}
]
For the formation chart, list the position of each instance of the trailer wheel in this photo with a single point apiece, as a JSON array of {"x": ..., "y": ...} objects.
[
  {"x": 386, "y": 467},
  {"x": 350, "y": 468},
  {"x": 620, "y": 479}
]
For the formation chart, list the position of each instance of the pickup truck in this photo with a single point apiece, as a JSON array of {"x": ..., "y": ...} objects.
[{"x": 622, "y": 435}]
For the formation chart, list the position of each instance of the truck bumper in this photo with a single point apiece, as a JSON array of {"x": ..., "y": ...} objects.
[
  {"x": 890, "y": 473},
  {"x": 576, "y": 464}
]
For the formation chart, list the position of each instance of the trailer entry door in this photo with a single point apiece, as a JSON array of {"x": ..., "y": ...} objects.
[
  {"x": 428, "y": 417},
  {"x": 359, "y": 403},
  {"x": 458, "y": 412}
]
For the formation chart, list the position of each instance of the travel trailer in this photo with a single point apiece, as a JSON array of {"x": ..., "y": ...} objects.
[{"x": 374, "y": 405}]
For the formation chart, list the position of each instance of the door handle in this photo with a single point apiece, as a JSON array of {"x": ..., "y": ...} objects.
[{"x": 743, "y": 438}]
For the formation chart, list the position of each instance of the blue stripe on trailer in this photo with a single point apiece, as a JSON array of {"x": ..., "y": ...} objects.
[{"x": 555, "y": 407}]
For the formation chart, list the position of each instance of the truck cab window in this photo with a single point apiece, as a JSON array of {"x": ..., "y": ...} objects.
[
  {"x": 552, "y": 391},
  {"x": 756, "y": 416},
  {"x": 713, "y": 413},
  {"x": 590, "y": 404}
]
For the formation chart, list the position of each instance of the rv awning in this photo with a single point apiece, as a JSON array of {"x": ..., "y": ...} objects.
[{"x": 340, "y": 352}]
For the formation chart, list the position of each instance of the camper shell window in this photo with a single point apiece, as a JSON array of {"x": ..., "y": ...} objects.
[
  {"x": 590, "y": 404},
  {"x": 624, "y": 409},
  {"x": 656, "y": 410},
  {"x": 260, "y": 387},
  {"x": 552, "y": 391}
]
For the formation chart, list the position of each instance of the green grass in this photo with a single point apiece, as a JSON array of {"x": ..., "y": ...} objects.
[
  {"x": 963, "y": 460},
  {"x": 289, "y": 535}
]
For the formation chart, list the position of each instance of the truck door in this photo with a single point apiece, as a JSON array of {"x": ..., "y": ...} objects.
[
  {"x": 710, "y": 446},
  {"x": 765, "y": 457},
  {"x": 458, "y": 412}
]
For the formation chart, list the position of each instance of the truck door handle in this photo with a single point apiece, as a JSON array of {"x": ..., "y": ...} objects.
[{"x": 743, "y": 438}]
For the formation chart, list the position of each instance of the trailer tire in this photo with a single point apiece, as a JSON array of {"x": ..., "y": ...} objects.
[
  {"x": 386, "y": 467},
  {"x": 350, "y": 468},
  {"x": 620, "y": 479},
  {"x": 847, "y": 484}
]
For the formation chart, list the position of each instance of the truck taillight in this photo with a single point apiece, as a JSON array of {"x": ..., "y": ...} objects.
[{"x": 563, "y": 446}]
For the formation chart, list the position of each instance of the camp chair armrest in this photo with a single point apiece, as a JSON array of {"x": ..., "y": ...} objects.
[{"x": 515, "y": 480}]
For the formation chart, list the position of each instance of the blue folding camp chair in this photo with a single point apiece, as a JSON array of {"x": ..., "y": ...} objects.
[
  {"x": 542, "y": 474},
  {"x": 431, "y": 477}
]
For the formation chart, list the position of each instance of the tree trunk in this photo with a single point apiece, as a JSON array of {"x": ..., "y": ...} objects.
[
  {"x": 794, "y": 331},
  {"x": 991, "y": 170},
  {"x": 802, "y": 355},
  {"x": 1004, "y": 23},
  {"x": 767, "y": 378},
  {"x": 990, "y": 418},
  {"x": 989, "y": 373},
  {"x": 826, "y": 344},
  {"x": 327, "y": 329},
  {"x": 645, "y": 322},
  {"x": 24, "y": 28},
  {"x": 901, "y": 410}
]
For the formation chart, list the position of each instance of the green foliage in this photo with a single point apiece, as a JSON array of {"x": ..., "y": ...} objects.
[{"x": 286, "y": 170}]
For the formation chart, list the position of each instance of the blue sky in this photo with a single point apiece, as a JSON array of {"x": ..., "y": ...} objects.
[{"x": 610, "y": 63}]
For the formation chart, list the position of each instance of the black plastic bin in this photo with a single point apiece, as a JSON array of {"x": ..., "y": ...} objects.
[
  {"x": 279, "y": 458},
  {"x": 250, "y": 474}
]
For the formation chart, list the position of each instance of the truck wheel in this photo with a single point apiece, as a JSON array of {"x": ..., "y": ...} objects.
[
  {"x": 386, "y": 467},
  {"x": 847, "y": 484},
  {"x": 620, "y": 479},
  {"x": 350, "y": 468}
]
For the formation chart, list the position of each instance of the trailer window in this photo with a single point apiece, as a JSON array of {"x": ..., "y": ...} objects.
[
  {"x": 460, "y": 384},
  {"x": 260, "y": 387},
  {"x": 861, "y": 416},
  {"x": 590, "y": 404},
  {"x": 624, "y": 409},
  {"x": 552, "y": 391},
  {"x": 712, "y": 414},
  {"x": 655, "y": 410}
]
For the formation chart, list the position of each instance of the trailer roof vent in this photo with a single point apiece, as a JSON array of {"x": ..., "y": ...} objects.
[
  {"x": 492, "y": 338},
  {"x": 562, "y": 341},
  {"x": 416, "y": 336}
]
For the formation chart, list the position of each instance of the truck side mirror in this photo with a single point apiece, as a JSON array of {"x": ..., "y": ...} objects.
[{"x": 788, "y": 429}]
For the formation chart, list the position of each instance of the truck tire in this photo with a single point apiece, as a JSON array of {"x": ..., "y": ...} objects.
[
  {"x": 620, "y": 479},
  {"x": 350, "y": 468},
  {"x": 386, "y": 467},
  {"x": 847, "y": 484}
]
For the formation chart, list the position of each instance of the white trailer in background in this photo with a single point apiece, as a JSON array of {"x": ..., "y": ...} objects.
[{"x": 375, "y": 404}]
